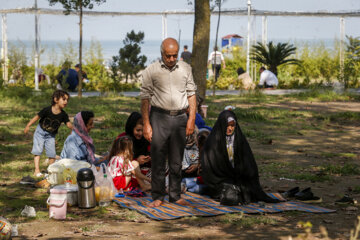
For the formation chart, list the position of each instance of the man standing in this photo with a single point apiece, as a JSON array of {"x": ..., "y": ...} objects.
[
  {"x": 186, "y": 55},
  {"x": 216, "y": 58},
  {"x": 168, "y": 86},
  {"x": 267, "y": 79}
]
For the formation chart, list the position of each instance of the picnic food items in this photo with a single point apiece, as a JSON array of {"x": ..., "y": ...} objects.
[
  {"x": 68, "y": 166},
  {"x": 86, "y": 194},
  {"x": 99, "y": 181}
]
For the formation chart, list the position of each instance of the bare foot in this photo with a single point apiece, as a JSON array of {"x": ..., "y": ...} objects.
[
  {"x": 156, "y": 203},
  {"x": 183, "y": 202}
]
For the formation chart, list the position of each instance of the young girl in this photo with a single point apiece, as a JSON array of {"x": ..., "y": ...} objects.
[{"x": 124, "y": 172}]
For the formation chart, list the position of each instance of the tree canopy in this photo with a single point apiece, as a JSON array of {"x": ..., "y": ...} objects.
[{"x": 272, "y": 55}]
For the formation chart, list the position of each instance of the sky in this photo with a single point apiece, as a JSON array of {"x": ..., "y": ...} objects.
[{"x": 21, "y": 26}]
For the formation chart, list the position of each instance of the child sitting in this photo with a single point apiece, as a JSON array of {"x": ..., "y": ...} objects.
[
  {"x": 50, "y": 120},
  {"x": 124, "y": 172},
  {"x": 190, "y": 165}
]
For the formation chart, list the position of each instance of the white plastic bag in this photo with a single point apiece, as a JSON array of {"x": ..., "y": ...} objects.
[
  {"x": 99, "y": 180},
  {"x": 28, "y": 211}
]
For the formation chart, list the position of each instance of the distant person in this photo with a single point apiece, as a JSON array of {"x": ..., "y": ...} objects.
[
  {"x": 216, "y": 59},
  {"x": 84, "y": 75},
  {"x": 43, "y": 77},
  {"x": 245, "y": 79},
  {"x": 50, "y": 120},
  {"x": 186, "y": 55},
  {"x": 267, "y": 79},
  {"x": 67, "y": 78}
]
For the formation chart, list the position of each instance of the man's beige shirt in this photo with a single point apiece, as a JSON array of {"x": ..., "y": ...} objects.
[{"x": 168, "y": 88}]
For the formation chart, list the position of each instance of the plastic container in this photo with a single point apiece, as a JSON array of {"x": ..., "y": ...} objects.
[
  {"x": 57, "y": 203},
  {"x": 105, "y": 192},
  {"x": 72, "y": 193}
]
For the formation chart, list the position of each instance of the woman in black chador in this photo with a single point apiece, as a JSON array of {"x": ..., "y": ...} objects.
[{"x": 227, "y": 158}]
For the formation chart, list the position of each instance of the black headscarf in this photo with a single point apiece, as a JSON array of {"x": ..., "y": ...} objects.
[
  {"x": 140, "y": 147},
  {"x": 217, "y": 169}
]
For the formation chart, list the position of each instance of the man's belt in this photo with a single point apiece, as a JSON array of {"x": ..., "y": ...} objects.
[{"x": 169, "y": 112}]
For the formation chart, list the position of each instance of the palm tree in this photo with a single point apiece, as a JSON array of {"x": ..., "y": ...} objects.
[{"x": 273, "y": 56}]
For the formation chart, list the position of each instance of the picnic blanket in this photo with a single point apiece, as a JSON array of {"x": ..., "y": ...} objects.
[{"x": 205, "y": 206}]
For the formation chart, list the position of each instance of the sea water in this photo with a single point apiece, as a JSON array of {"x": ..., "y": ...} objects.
[{"x": 53, "y": 49}]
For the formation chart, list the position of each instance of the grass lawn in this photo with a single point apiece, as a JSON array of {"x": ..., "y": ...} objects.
[{"x": 310, "y": 138}]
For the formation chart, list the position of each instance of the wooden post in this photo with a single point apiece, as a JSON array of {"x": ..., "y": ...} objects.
[{"x": 80, "y": 51}]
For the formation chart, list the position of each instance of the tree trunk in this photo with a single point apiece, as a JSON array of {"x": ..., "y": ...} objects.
[
  {"x": 273, "y": 69},
  {"x": 80, "y": 53},
  {"x": 201, "y": 38}
]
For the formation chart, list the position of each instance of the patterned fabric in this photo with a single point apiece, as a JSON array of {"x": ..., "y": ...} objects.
[
  {"x": 191, "y": 156},
  {"x": 80, "y": 129},
  {"x": 116, "y": 167},
  {"x": 230, "y": 148},
  {"x": 205, "y": 206}
]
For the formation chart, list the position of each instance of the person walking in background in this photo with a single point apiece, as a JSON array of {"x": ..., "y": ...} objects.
[
  {"x": 186, "y": 55},
  {"x": 168, "y": 86},
  {"x": 216, "y": 59},
  {"x": 267, "y": 79}
]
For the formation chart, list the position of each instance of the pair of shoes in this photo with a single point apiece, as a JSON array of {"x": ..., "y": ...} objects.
[
  {"x": 27, "y": 180},
  {"x": 307, "y": 196},
  {"x": 346, "y": 199},
  {"x": 291, "y": 193}
]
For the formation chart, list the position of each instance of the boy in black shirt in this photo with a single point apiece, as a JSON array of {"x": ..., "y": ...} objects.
[{"x": 50, "y": 120}]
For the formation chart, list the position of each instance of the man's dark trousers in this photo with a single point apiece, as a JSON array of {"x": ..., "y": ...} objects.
[
  {"x": 168, "y": 142},
  {"x": 216, "y": 69}
]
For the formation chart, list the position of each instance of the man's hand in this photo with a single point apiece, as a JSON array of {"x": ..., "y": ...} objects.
[
  {"x": 143, "y": 159},
  {"x": 190, "y": 126},
  {"x": 147, "y": 130},
  {"x": 192, "y": 168}
]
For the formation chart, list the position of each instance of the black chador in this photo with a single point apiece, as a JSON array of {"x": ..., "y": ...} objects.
[{"x": 242, "y": 170}]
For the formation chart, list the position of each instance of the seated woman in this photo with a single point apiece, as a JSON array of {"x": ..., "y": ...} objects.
[
  {"x": 79, "y": 145},
  {"x": 141, "y": 147},
  {"x": 227, "y": 158}
]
